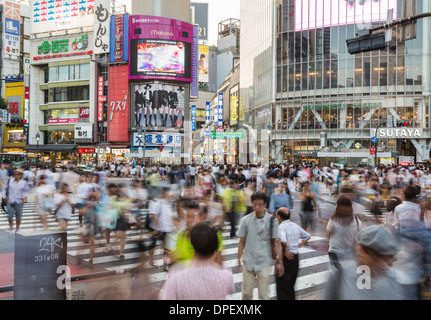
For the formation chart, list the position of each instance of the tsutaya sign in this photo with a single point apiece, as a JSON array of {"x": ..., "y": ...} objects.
[{"x": 395, "y": 133}]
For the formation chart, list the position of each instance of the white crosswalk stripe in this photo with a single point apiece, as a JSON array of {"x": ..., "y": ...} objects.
[{"x": 313, "y": 272}]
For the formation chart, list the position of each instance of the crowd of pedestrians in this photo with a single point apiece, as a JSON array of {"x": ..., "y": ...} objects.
[{"x": 183, "y": 211}]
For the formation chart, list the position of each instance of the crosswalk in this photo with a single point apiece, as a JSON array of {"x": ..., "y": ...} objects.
[{"x": 313, "y": 272}]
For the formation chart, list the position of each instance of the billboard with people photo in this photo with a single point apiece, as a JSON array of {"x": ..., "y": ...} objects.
[{"x": 159, "y": 104}]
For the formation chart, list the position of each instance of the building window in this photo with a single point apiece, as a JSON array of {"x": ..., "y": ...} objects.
[{"x": 78, "y": 93}]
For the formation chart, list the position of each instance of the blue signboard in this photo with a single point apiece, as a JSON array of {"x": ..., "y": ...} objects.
[
  {"x": 193, "y": 117},
  {"x": 194, "y": 84},
  {"x": 220, "y": 111}
]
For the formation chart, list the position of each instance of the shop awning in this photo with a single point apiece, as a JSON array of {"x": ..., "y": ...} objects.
[{"x": 51, "y": 148}]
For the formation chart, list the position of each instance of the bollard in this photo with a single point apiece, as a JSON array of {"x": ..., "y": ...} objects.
[{"x": 38, "y": 256}]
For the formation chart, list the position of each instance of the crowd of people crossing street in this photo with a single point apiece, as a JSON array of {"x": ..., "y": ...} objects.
[{"x": 376, "y": 220}]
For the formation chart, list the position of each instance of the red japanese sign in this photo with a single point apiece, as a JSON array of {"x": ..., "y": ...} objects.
[{"x": 86, "y": 150}]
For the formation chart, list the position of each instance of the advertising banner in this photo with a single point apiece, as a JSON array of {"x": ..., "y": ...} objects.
[
  {"x": 165, "y": 139},
  {"x": 158, "y": 104},
  {"x": 203, "y": 64},
  {"x": 220, "y": 111},
  {"x": 101, "y": 26},
  {"x": 61, "y": 14},
  {"x": 12, "y": 29},
  {"x": 312, "y": 14},
  {"x": 119, "y": 38},
  {"x": 233, "y": 108},
  {"x": 199, "y": 16},
  {"x": 160, "y": 48},
  {"x": 193, "y": 118},
  {"x": 118, "y": 107},
  {"x": 72, "y": 46}
]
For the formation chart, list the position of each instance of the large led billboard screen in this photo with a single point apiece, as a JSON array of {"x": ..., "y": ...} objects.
[
  {"x": 314, "y": 14},
  {"x": 161, "y": 57},
  {"x": 160, "y": 49}
]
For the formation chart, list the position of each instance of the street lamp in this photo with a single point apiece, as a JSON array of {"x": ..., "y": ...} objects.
[
  {"x": 37, "y": 139},
  {"x": 269, "y": 128}
]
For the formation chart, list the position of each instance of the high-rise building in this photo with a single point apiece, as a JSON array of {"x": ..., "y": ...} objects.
[{"x": 299, "y": 81}]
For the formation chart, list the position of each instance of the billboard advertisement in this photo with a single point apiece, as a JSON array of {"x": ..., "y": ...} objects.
[
  {"x": 203, "y": 64},
  {"x": 314, "y": 14},
  {"x": 160, "y": 49},
  {"x": 119, "y": 38},
  {"x": 118, "y": 107},
  {"x": 62, "y": 14},
  {"x": 158, "y": 104},
  {"x": 199, "y": 16}
]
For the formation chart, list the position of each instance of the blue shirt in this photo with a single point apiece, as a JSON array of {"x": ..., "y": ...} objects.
[{"x": 278, "y": 201}]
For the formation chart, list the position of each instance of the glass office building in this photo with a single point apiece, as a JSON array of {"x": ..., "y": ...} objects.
[{"x": 322, "y": 103}]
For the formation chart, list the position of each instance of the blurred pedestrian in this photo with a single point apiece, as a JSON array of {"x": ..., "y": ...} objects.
[
  {"x": 280, "y": 198},
  {"x": 44, "y": 200},
  {"x": 65, "y": 204},
  {"x": 309, "y": 207},
  {"x": 371, "y": 277},
  {"x": 204, "y": 279}
]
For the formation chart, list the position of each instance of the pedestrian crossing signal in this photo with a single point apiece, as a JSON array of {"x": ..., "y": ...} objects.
[{"x": 371, "y": 151}]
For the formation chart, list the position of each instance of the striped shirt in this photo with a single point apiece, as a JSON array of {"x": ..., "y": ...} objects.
[{"x": 291, "y": 234}]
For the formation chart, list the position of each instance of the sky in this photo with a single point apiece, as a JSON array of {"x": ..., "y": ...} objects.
[{"x": 218, "y": 10}]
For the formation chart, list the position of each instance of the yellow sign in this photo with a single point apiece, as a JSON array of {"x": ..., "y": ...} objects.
[
  {"x": 14, "y": 95},
  {"x": 233, "y": 108}
]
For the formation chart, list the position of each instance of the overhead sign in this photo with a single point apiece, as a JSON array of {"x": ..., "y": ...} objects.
[
  {"x": 66, "y": 47},
  {"x": 398, "y": 133}
]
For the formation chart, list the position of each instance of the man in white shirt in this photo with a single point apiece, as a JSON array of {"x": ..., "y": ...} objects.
[
  {"x": 292, "y": 237},
  {"x": 15, "y": 191},
  {"x": 409, "y": 212}
]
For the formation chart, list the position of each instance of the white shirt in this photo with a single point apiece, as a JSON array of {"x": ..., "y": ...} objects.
[
  {"x": 291, "y": 234},
  {"x": 17, "y": 190},
  {"x": 406, "y": 213},
  {"x": 165, "y": 214}
]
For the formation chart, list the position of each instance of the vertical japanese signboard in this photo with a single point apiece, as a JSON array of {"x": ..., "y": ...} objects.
[
  {"x": 207, "y": 113},
  {"x": 12, "y": 29},
  {"x": 100, "y": 99},
  {"x": 193, "y": 118},
  {"x": 101, "y": 27},
  {"x": 118, "y": 46},
  {"x": 194, "y": 84},
  {"x": 220, "y": 111},
  {"x": 118, "y": 108}
]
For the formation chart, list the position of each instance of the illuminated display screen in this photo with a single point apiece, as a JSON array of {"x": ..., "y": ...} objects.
[
  {"x": 160, "y": 57},
  {"x": 314, "y": 14}
]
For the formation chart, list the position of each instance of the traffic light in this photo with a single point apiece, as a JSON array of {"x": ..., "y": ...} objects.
[
  {"x": 366, "y": 42},
  {"x": 402, "y": 123},
  {"x": 372, "y": 151}
]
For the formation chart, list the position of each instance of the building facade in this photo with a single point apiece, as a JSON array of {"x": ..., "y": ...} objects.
[{"x": 323, "y": 103}]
